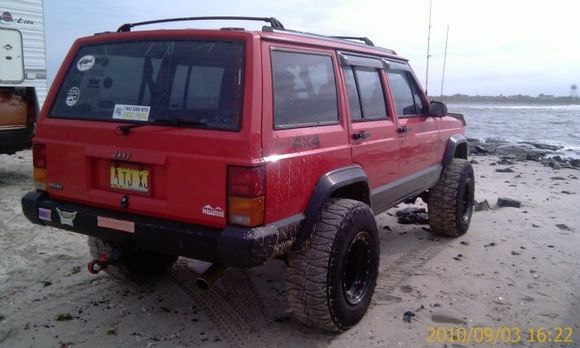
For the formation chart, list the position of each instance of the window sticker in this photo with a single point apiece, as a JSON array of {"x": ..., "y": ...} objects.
[
  {"x": 131, "y": 112},
  {"x": 72, "y": 96},
  {"x": 86, "y": 62}
]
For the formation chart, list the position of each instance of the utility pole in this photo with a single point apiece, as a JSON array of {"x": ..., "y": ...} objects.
[
  {"x": 444, "y": 61},
  {"x": 428, "y": 48}
]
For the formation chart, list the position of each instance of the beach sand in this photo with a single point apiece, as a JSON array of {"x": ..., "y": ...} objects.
[{"x": 515, "y": 268}]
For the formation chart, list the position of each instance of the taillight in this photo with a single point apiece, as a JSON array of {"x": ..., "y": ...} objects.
[
  {"x": 246, "y": 193},
  {"x": 39, "y": 163},
  {"x": 39, "y": 155}
]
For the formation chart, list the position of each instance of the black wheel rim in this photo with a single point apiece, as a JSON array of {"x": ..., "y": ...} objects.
[
  {"x": 467, "y": 201},
  {"x": 357, "y": 268}
]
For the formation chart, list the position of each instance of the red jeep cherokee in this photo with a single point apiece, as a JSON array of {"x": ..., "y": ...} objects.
[{"x": 234, "y": 146}]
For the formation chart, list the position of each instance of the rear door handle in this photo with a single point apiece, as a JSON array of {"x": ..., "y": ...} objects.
[
  {"x": 361, "y": 135},
  {"x": 403, "y": 129}
]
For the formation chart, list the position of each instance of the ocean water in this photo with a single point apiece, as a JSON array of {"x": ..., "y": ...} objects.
[{"x": 549, "y": 124}]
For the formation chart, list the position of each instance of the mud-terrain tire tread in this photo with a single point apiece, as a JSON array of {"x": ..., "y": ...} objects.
[
  {"x": 444, "y": 198},
  {"x": 136, "y": 267},
  {"x": 309, "y": 269}
]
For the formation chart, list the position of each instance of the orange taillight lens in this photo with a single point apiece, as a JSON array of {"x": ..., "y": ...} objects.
[
  {"x": 39, "y": 162},
  {"x": 40, "y": 179},
  {"x": 246, "y": 211},
  {"x": 246, "y": 195}
]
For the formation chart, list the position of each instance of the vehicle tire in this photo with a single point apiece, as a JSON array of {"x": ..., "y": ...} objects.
[
  {"x": 331, "y": 281},
  {"x": 136, "y": 264},
  {"x": 451, "y": 200}
]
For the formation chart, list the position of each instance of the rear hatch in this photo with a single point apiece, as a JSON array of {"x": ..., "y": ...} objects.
[{"x": 148, "y": 122}]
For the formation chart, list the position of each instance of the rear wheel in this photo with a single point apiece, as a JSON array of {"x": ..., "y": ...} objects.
[
  {"x": 451, "y": 200},
  {"x": 331, "y": 282},
  {"x": 135, "y": 264}
]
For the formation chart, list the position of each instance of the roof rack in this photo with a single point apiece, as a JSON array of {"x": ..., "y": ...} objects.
[
  {"x": 276, "y": 24},
  {"x": 366, "y": 40}
]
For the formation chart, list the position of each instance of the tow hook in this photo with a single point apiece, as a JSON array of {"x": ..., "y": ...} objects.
[{"x": 104, "y": 260}]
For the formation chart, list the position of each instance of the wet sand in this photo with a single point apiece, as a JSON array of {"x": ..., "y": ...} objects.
[{"x": 516, "y": 267}]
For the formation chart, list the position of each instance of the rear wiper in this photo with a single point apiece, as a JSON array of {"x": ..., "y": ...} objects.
[{"x": 125, "y": 130}]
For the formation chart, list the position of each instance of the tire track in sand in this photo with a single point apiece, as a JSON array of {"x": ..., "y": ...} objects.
[
  {"x": 232, "y": 304},
  {"x": 397, "y": 271}
]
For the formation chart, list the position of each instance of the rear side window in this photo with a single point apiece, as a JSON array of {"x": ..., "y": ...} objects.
[
  {"x": 365, "y": 93},
  {"x": 304, "y": 90},
  {"x": 407, "y": 100},
  {"x": 195, "y": 83}
]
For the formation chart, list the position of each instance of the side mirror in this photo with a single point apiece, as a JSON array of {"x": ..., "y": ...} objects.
[{"x": 437, "y": 109}]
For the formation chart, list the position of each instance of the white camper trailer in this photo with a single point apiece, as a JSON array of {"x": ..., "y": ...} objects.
[{"x": 22, "y": 71}]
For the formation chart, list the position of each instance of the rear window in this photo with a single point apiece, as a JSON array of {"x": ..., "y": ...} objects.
[
  {"x": 195, "y": 83},
  {"x": 304, "y": 90}
]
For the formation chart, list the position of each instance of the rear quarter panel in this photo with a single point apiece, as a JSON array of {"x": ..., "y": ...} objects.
[{"x": 297, "y": 158}]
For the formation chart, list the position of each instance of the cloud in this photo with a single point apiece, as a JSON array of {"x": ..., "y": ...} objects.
[{"x": 516, "y": 39}]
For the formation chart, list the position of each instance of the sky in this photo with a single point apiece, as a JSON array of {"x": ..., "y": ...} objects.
[{"x": 495, "y": 47}]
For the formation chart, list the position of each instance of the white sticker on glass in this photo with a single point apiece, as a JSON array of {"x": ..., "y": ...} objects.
[
  {"x": 86, "y": 62},
  {"x": 72, "y": 96},
  {"x": 131, "y": 112}
]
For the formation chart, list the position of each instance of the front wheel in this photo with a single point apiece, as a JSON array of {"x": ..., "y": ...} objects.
[
  {"x": 451, "y": 200},
  {"x": 331, "y": 282}
]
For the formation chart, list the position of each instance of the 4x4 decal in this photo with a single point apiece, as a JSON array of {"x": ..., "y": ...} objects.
[{"x": 299, "y": 142}]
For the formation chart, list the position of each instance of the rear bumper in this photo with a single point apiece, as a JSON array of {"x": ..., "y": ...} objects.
[
  {"x": 12, "y": 140},
  {"x": 232, "y": 246}
]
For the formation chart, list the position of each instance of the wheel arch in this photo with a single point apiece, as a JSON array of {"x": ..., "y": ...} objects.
[
  {"x": 456, "y": 148},
  {"x": 348, "y": 182}
]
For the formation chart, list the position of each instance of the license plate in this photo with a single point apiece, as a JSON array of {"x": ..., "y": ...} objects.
[{"x": 132, "y": 179}]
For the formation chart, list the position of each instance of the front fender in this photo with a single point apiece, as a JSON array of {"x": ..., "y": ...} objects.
[{"x": 456, "y": 148}]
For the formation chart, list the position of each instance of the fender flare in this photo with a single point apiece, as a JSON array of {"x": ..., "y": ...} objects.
[
  {"x": 457, "y": 144},
  {"x": 325, "y": 187}
]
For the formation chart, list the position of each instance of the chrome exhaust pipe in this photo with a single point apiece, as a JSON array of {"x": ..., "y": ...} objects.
[{"x": 210, "y": 276}]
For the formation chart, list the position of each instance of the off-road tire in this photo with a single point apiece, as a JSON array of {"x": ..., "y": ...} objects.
[
  {"x": 321, "y": 275},
  {"x": 451, "y": 200},
  {"x": 136, "y": 265}
]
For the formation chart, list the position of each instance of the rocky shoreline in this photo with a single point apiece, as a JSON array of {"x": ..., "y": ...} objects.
[{"x": 552, "y": 156}]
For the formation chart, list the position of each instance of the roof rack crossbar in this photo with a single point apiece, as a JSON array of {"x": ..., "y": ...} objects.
[
  {"x": 366, "y": 40},
  {"x": 276, "y": 24}
]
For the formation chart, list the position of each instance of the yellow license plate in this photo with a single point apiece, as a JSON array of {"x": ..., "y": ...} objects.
[{"x": 131, "y": 179}]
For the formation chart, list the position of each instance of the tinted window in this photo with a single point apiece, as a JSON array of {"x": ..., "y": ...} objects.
[
  {"x": 352, "y": 93},
  {"x": 304, "y": 89},
  {"x": 407, "y": 100},
  {"x": 199, "y": 82},
  {"x": 371, "y": 93},
  {"x": 365, "y": 92},
  {"x": 416, "y": 96}
]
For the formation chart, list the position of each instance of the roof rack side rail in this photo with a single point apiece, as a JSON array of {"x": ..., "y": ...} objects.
[
  {"x": 276, "y": 24},
  {"x": 366, "y": 40}
]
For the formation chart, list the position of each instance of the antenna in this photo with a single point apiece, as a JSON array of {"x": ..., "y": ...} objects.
[
  {"x": 444, "y": 61},
  {"x": 428, "y": 49}
]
